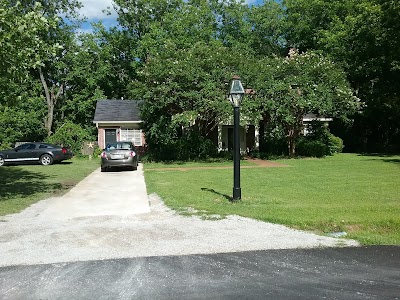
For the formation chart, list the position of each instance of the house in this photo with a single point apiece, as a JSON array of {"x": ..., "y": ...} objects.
[
  {"x": 249, "y": 134},
  {"x": 309, "y": 118},
  {"x": 118, "y": 120}
]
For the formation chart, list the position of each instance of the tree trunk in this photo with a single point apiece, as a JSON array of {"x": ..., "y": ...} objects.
[
  {"x": 51, "y": 100},
  {"x": 291, "y": 141}
]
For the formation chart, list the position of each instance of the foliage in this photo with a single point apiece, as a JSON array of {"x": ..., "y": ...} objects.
[
  {"x": 288, "y": 88},
  {"x": 361, "y": 36},
  {"x": 97, "y": 151},
  {"x": 70, "y": 135},
  {"x": 178, "y": 57},
  {"x": 335, "y": 144},
  {"x": 319, "y": 142},
  {"x": 311, "y": 148},
  {"x": 23, "y": 120},
  {"x": 190, "y": 146},
  {"x": 183, "y": 80},
  {"x": 267, "y": 28},
  {"x": 19, "y": 30}
]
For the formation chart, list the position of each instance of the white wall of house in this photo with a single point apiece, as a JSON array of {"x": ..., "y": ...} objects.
[{"x": 225, "y": 138}]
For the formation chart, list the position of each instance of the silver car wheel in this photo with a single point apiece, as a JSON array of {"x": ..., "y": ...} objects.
[
  {"x": 1, "y": 161},
  {"x": 46, "y": 160}
]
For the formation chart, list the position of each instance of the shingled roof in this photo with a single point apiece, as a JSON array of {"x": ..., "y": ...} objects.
[{"x": 117, "y": 111}]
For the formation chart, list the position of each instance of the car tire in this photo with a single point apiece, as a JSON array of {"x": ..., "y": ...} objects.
[
  {"x": 46, "y": 160},
  {"x": 2, "y": 161},
  {"x": 134, "y": 168},
  {"x": 103, "y": 169}
]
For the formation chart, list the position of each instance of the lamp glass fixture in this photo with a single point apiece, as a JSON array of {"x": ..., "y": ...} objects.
[{"x": 236, "y": 93}]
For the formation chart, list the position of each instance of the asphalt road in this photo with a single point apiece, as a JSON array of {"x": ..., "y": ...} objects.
[{"x": 330, "y": 273}]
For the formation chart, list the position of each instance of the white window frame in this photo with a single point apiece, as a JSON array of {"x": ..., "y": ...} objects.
[{"x": 132, "y": 135}]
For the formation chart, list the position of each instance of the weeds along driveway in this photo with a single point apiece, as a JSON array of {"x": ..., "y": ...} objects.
[{"x": 107, "y": 215}]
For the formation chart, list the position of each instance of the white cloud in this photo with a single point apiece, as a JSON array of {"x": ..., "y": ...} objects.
[{"x": 93, "y": 9}]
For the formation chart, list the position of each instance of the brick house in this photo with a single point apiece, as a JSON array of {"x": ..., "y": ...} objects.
[{"x": 119, "y": 120}]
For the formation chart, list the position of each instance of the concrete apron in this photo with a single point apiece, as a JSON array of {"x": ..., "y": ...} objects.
[{"x": 112, "y": 193}]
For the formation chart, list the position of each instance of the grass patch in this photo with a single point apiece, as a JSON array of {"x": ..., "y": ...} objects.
[
  {"x": 23, "y": 185},
  {"x": 346, "y": 192}
]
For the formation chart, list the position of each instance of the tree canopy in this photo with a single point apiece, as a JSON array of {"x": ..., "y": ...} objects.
[{"x": 333, "y": 58}]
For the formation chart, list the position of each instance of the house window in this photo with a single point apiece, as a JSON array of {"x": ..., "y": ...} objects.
[{"x": 132, "y": 135}]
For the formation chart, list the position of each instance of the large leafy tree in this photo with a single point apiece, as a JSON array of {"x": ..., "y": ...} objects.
[
  {"x": 184, "y": 74},
  {"x": 21, "y": 46},
  {"x": 28, "y": 31},
  {"x": 361, "y": 36},
  {"x": 54, "y": 65},
  {"x": 101, "y": 66},
  {"x": 266, "y": 35},
  {"x": 288, "y": 88}
]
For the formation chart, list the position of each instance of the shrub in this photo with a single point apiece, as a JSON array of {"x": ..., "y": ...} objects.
[
  {"x": 69, "y": 135},
  {"x": 335, "y": 144},
  {"x": 97, "y": 151},
  {"x": 313, "y": 148},
  {"x": 190, "y": 146},
  {"x": 319, "y": 142}
]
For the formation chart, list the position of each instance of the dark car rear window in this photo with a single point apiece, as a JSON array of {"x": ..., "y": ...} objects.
[{"x": 47, "y": 146}]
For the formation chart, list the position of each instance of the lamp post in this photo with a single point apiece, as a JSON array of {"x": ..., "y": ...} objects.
[{"x": 236, "y": 94}]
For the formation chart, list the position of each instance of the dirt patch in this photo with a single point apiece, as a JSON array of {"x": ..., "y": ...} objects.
[
  {"x": 64, "y": 187},
  {"x": 266, "y": 163},
  {"x": 258, "y": 163}
]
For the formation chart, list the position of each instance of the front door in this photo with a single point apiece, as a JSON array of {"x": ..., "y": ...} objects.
[
  {"x": 111, "y": 136},
  {"x": 230, "y": 138}
]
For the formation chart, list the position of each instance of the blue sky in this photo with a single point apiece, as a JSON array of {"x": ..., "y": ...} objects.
[{"x": 93, "y": 11}]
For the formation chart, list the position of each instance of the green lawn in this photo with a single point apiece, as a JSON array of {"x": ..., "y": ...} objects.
[
  {"x": 23, "y": 185},
  {"x": 346, "y": 192}
]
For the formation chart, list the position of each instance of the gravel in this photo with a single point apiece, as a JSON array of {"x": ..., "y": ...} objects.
[{"x": 32, "y": 238}]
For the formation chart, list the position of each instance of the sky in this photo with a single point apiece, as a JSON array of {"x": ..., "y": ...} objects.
[{"x": 93, "y": 11}]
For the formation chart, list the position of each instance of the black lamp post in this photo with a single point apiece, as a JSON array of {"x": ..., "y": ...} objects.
[{"x": 236, "y": 94}]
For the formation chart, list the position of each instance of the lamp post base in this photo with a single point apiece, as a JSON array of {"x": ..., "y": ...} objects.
[{"x": 237, "y": 194}]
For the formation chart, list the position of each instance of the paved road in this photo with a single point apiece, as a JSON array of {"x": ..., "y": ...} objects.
[{"x": 332, "y": 273}]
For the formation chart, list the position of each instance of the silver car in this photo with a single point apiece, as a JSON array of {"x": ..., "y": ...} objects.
[{"x": 119, "y": 155}]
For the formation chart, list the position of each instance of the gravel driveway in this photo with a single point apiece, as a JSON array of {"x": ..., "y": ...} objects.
[{"x": 118, "y": 222}]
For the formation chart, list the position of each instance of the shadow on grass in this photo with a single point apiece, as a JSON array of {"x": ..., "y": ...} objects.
[
  {"x": 217, "y": 193},
  {"x": 17, "y": 182},
  {"x": 390, "y": 158},
  {"x": 377, "y": 154},
  {"x": 393, "y": 160},
  {"x": 63, "y": 162}
]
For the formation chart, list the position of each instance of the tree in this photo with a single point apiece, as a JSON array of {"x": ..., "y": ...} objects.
[
  {"x": 267, "y": 30},
  {"x": 53, "y": 67},
  {"x": 288, "y": 88},
  {"x": 361, "y": 36},
  {"x": 19, "y": 28},
  {"x": 183, "y": 78}
]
